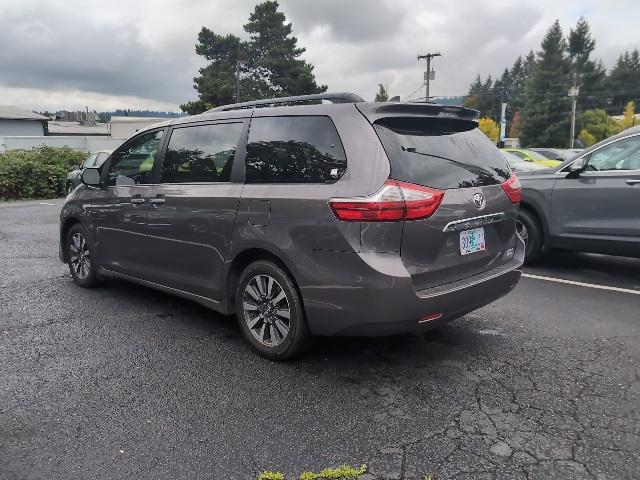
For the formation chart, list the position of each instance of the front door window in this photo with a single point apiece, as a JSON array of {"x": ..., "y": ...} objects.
[{"x": 133, "y": 164}]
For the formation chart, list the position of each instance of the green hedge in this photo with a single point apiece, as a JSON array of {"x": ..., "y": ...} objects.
[{"x": 37, "y": 173}]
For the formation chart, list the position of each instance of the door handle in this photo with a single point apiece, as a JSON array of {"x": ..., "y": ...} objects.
[
  {"x": 137, "y": 200},
  {"x": 157, "y": 200},
  {"x": 633, "y": 182}
]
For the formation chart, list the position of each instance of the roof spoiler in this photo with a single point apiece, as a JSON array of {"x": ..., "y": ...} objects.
[
  {"x": 376, "y": 111},
  {"x": 343, "y": 97}
]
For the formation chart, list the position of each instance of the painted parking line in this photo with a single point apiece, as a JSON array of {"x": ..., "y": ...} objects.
[
  {"x": 581, "y": 284},
  {"x": 52, "y": 204}
]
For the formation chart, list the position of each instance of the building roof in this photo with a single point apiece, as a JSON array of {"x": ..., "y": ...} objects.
[
  {"x": 74, "y": 128},
  {"x": 7, "y": 112},
  {"x": 122, "y": 119}
]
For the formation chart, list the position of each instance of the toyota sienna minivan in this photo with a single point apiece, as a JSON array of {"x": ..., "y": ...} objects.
[{"x": 313, "y": 215}]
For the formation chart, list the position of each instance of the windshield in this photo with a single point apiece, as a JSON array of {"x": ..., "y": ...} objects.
[
  {"x": 441, "y": 153},
  {"x": 520, "y": 165},
  {"x": 536, "y": 155}
]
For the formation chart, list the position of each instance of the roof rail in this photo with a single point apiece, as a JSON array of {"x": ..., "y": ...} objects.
[{"x": 342, "y": 97}]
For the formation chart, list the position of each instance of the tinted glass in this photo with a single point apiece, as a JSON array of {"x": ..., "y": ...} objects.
[
  {"x": 441, "y": 153},
  {"x": 536, "y": 155},
  {"x": 548, "y": 154},
  {"x": 100, "y": 159},
  {"x": 133, "y": 163},
  {"x": 294, "y": 150},
  {"x": 621, "y": 155},
  {"x": 202, "y": 153},
  {"x": 518, "y": 154},
  {"x": 89, "y": 162}
]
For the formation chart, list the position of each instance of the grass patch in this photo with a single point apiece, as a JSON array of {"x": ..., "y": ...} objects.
[{"x": 345, "y": 472}]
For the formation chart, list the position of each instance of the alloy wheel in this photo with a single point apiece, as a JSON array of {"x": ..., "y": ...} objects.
[
  {"x": 266, "y": 310},
  {"x": 80, "y": 256}
]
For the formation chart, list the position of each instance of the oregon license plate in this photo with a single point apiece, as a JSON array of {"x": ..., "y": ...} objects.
[{"x": 472, "y": 241}]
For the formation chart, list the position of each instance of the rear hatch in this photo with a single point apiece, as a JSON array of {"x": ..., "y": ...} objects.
[{"x": 473, "y": 229}]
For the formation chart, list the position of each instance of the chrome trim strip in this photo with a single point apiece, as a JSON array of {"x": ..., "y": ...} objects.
[{"x": 474, "y": 222}]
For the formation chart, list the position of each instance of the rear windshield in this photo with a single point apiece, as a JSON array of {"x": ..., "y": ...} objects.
[{"x": 441, "y": 153}]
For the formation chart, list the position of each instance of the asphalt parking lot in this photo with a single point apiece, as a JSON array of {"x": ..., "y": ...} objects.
[{"x": 126, "y": 382}]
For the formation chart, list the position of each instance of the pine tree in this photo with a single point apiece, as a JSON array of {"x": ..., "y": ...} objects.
[
  {"x": 270, "y": 63},
  {"x": 274, "y": 54},
  {"x": 481, "y": 96},
  {"x": 546, "y": 112},
  {"x": 589, "y": 75},
  {"x": 382, "y": 95},
  {"x": 623, "y": 83}
]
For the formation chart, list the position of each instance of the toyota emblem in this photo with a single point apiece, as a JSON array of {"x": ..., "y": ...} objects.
[{"x": 479, "y": 201}]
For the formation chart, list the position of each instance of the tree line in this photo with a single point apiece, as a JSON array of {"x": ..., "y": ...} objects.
[{"x": 536, "y": 89}]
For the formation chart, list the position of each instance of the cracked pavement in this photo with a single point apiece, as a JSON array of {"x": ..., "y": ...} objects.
[{"x": 126, "y": 382}]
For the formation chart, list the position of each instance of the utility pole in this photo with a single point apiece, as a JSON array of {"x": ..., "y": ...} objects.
[
  {"x": 238, "y": 81},
  {"x": 573, "y": 93},
  {"x": 429, "y": 74}
]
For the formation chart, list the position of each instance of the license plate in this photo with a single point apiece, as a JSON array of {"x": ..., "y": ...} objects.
[{"x": 472, "y": 241}]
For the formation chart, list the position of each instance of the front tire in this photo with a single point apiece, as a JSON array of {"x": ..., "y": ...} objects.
[
  {"x": 79, "y": 255},
  {"x": 270, "y": 312},
  {"x": 529, "y": 229}
]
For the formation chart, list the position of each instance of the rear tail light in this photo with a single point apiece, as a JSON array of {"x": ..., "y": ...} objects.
[
  {"x": 395, "y": 201},
  {"x": 513, "y": 189}
]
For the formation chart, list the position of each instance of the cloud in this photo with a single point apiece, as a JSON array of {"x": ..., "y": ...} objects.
[
  {"x": 352, "y": 20},
  {"x": 143, "y": 51},
  {"x": 58, "y": 51}
]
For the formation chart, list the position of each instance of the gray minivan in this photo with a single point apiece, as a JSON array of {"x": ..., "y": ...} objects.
[{"x": 312, "y": 215}]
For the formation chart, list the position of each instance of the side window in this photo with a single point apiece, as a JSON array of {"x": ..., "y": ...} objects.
[
  {"x": 621, "y": 155},
  {"x": 202, "y": 153},
  {"x": 294, "y": 150},
  {"x": 100, "y": 159},
  {"x": 133, "y": 164},
  {"x": 89, "y": 162}
]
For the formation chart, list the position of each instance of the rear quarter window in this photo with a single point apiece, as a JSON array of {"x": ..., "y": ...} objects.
[
  {"x": 441, "y": 153},
  {"x": 302, "y": 149}
]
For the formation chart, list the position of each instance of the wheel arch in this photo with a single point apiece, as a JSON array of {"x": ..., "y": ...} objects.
[
  {"x": 245, "y": 257},
  {"x": 535, "y": 211},
  {"x": 64, "y": 231}
]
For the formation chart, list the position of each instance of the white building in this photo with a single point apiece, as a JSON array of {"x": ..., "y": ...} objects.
[
  {"x": 16, "y": 121},
  {"x": 124, "y": 127}
]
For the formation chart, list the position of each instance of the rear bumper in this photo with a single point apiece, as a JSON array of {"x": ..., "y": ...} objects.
[{"x": 354, "y": 294}]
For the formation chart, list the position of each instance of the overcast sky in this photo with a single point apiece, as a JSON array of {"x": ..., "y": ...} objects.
[{"x": 140, "y": 53}]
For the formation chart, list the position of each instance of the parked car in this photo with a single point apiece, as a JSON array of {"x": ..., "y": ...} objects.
[
  {"x": 518, "y": 164},
  {"x": 559, "y": 154},
  {"x": 345, "y": 218},
  {"x": 95, "y": 160},
  {"x": 533, "y": 157},
  {"x": 589, "y": 203}
]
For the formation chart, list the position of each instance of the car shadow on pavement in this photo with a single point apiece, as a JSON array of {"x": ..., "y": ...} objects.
[
  {"x": 455, "y": 339},
  {"x": 623, "y": 272}
]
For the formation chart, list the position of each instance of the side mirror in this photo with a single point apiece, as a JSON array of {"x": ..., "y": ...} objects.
[
  {"x": 577, "y": 167},
  {"x": 75, "y": 167},
  {"x": 91, "y": 176}
]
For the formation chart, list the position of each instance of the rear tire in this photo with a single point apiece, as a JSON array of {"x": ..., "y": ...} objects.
[
  {"x": 80, "y": 251},
  {"x": 270, "y": 312},
  {"x": 529, "y": 229}
]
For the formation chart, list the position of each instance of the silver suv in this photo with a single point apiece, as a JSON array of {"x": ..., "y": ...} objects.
[{"x": 314, "y": 215}]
